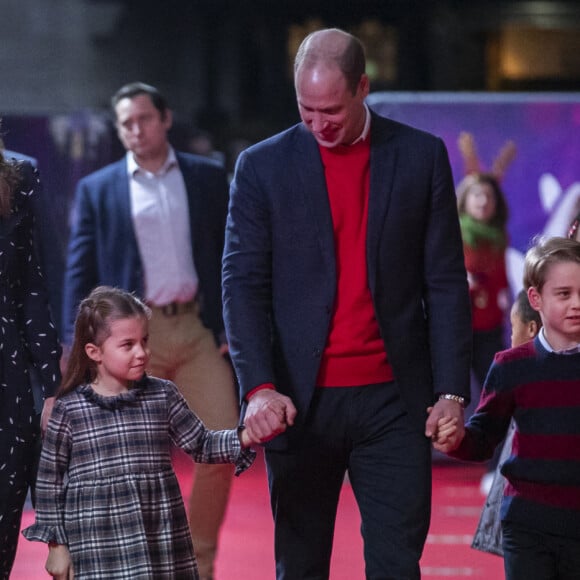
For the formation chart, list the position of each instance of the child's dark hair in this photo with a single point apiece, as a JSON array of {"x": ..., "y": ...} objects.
[
  {"x": 93, "y": 325},
  {"x": 525, "y": 311}
]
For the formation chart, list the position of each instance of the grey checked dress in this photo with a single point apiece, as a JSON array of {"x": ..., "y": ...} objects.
[
  {"x": 28, "y": 343},
  {"x": 106, "y": 486}
]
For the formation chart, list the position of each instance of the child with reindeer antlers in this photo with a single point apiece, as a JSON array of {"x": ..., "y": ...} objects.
[{"x": 483, "y": 215}]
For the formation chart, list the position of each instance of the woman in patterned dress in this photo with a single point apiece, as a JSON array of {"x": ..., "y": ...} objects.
[
  {"x": 108, "y": 500},
  {"x": 28, "y": 344}
]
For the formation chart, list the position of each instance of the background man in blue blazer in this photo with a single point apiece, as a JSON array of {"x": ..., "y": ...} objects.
[
  {"x": 347, "y": 314},
  {"x": 153, "y": 223}
]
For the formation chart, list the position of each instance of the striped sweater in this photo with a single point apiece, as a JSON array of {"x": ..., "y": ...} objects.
[{"x": 541, "y": 391}]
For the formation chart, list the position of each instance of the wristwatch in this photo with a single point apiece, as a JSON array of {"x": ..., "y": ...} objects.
[{"x": 456, "y": 398}]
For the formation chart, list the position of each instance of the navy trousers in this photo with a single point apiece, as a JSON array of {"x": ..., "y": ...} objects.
[
  {"x": 533, "y": 555},
  {"x": 366, "y": 432},
  {"x": 19, "y": 453}
]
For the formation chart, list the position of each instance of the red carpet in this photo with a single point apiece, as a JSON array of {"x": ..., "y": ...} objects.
[{"x": 246, "y": 551}]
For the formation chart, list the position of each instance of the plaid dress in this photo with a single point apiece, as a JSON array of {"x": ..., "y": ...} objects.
[{"x": 106, "y": 486}]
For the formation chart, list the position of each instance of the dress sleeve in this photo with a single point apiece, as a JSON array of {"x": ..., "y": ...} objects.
[
  {"x": 189, "y": 433},
  {"x": 51, "y": 480}
]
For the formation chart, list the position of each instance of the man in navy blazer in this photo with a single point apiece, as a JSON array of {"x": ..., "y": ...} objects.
[
  {"x": 347, "y": 314},
  {"x": 153, "y": 223}
]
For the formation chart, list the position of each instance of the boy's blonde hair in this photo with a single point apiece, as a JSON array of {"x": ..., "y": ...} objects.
[{"x": 543, "y": 254}]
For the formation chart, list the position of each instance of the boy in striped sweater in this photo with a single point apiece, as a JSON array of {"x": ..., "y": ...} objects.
[{"x": 538, "y": 384}]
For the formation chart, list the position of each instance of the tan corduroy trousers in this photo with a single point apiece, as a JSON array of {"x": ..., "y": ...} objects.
[{"x": 184, "y": 351}]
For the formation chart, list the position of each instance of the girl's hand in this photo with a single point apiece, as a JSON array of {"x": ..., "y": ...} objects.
[
  {"x": 59, "y": 563},
  {"x": 245, "y": 438}
]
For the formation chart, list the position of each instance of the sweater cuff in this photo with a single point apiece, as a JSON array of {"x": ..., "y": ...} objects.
[{"x": 259, "y": 388}]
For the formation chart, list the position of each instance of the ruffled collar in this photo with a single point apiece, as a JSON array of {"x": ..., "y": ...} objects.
[{"x": 114, "y": 401}]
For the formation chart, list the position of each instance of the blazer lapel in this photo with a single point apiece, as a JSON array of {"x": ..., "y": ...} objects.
[
  {"x": 312, "y": 187},
  {"x": 383, "y": 167},
  {"x": 122, "y": 196},
  {"x": 122, "y": 201},
  {"x": 188, "y": 171}
]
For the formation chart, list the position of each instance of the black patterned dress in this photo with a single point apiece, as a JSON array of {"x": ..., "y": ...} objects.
[
  {"x": 106, "y": 486},
  {"x": 28, "y": 345}
]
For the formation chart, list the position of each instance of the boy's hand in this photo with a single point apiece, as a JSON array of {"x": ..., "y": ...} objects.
[
  {"x": 59, "y": 563},
  {"x": 446, "y": 428},
  {"x": 448, "y": 416}
]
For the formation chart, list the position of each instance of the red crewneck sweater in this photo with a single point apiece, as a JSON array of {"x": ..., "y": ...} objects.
[{"x": 355, "y": 352}]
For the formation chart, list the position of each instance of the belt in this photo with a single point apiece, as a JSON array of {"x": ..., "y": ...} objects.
[{"x": 174, "y": 308}]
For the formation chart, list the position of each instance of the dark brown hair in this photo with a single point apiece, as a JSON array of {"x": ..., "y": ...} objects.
[
  {"x": 9, "y": 181},
  {"x": 524, "y": 309},
  {"x": 132, "y": 90}
]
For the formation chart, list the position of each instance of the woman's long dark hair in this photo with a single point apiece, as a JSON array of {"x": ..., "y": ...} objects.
[
  {"x": 93, "y": 325},
  {"x": 9, "y": 181}
]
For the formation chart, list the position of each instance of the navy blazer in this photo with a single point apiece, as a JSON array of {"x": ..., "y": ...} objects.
[
  {"x": 279, "y": 271},
  {"x": 103, "y": 247}
]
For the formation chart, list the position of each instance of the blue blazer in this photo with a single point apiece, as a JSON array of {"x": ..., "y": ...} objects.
[
  {"x": 103, "y": 247},
  {"x": 279, "y": 271}
]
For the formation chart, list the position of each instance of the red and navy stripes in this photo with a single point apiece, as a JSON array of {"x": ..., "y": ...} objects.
[{"x": 541, "y": 390}]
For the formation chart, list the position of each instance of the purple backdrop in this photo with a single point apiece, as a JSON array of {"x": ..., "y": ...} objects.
[
  {"x": 542, "y": 184},
  {"x": 545, "y": 175}
]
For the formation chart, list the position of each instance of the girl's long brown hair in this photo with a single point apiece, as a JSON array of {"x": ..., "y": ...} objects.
[{"x": 93, "y": 325}]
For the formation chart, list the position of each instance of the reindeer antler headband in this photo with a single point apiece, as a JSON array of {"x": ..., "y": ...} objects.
[{"x": 468, "y": 149}]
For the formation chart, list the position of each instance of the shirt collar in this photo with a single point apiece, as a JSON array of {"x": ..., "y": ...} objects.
[
  {"x": 546, "y": 345},
  {"x": 366, "y": 126},
  {"x": 133, "y": 167}
]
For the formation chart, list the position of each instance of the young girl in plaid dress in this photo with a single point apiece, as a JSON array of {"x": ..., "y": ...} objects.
[{"x": 108, "y": 501}]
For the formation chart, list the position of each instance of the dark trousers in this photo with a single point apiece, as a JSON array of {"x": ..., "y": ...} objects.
[
  {"x": 533, "y": 555},
  {"x": 367, "y": 432},
  {"x": 19, "y": 453}
]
